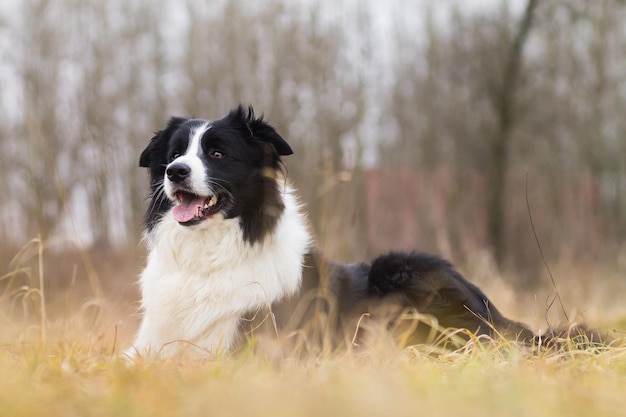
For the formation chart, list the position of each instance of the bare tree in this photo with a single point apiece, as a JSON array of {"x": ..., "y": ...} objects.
[
  {"x": 474, "y": 105},
  {"x": 490, "y": 98},
  {"x": 36, "y": 164},
  {"x": 502, "y": 93}
]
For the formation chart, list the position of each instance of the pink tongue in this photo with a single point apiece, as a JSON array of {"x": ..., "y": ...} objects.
[{"x": 188, "y": 208}]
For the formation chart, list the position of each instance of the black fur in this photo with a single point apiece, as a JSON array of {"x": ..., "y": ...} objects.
[
  {"x": 403, "y": 280},
  {"x": 432, "y": 285},
  {"x": 246, "y": 142},
  {"x": 155, "y": 158}
]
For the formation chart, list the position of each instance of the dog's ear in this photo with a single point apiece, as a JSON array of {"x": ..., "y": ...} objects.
[
  {"x": 147, "y": 154},
  {"x": 157, "y": 147},
  {"x": 268, "y": 134},
  {"x": 262, "y": 130}
]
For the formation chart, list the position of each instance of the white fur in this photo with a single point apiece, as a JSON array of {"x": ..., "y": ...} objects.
[
  {"x": 197, "y": 181},
  {"x": 200, "y": 280}
]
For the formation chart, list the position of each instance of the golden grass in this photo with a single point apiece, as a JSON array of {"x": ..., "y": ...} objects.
[
  {"x": 63, "y": 362},
  {"x": 79, "y": 378}
]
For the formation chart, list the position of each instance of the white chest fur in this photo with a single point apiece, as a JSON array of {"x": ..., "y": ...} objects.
[{"x": 200, "y": 280}]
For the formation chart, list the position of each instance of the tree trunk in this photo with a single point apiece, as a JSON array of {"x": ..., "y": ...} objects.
[{"x": 503, "y": 101}]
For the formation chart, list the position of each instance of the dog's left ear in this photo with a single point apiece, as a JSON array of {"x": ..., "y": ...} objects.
[
  {"x": 265, "y": 132},
  {"x": 261, "y": 129}
]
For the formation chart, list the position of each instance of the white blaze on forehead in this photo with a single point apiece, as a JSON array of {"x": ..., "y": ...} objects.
[
  {"x": 192, "y": 157},
  {"x": 196, "y": 137}
]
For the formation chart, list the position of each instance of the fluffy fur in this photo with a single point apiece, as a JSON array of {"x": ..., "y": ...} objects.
[{"x": 229, "y": 247}]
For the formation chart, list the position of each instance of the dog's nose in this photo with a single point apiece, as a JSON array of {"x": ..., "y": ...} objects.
[{"x": 178, "y": 172}]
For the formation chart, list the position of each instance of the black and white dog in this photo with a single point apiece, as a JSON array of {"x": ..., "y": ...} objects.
[{"x": 229, "y": 243}]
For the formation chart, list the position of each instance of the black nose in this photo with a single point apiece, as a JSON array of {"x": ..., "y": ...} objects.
[{"x": 178, "y": 172}]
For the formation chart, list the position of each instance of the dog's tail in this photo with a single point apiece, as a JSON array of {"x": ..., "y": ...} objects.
[{"x": 575, "y": 336}]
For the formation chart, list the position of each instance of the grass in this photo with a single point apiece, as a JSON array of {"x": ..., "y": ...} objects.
[
  {"x": 76, "y": 380},
  {"x": 59, "y": 359}
]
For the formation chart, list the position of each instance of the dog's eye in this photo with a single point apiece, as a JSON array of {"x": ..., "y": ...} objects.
[
  {"x": 174, "y": 156},
  {"x": 215, "y": 154}
]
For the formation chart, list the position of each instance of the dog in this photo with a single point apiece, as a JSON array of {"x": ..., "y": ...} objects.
[{"x": 230, "y": 252}]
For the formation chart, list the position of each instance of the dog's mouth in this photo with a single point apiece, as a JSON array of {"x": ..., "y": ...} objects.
[{"x": 192, "y": 209}]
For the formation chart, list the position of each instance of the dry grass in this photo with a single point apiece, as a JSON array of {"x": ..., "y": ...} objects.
[
  {"x": 80, "y": 378},
  {"x": 59, "y": 359}
]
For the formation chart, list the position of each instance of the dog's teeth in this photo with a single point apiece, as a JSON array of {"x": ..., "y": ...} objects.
[{"x": 212, "y": 201}]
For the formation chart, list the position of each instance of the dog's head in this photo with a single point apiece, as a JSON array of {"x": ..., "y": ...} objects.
[{"x": 206, "y": 170}]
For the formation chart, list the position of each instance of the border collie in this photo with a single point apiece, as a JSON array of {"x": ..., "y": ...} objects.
[{"x": 230, "y": 253}]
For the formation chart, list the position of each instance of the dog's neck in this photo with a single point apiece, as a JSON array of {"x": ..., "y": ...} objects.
[{"x": 225, "y": 275}]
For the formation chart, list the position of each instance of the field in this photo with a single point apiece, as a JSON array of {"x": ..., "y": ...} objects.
[
  {"x": 490, "y": 132},
  {"x": 58, "y": 357}
]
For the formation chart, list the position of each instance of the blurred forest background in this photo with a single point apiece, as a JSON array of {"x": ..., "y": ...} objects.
[{"x": 426, "y": 124}]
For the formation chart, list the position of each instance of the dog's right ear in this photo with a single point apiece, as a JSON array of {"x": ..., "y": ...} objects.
[
  {"x": 158, "y": 144},
  {"x": 147, "y": 154}
]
